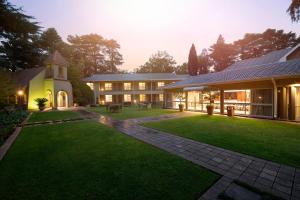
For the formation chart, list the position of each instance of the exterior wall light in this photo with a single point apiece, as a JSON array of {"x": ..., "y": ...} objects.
[{"x": 20, "y": 92}]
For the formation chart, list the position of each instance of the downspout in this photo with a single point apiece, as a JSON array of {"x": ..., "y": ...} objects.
[{"x": 275, "y": 99}]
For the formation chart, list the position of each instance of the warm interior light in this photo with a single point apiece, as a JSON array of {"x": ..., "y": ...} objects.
[
  {"x": 20, "y": 93},
  {"x": 296, "y": 85}
]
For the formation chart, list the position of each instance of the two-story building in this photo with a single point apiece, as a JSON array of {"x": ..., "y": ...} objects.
[
  {"x": 130, "y": 88},
  {"x": 50, "y": 82}
]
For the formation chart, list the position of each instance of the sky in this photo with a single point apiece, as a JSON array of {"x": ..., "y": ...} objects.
[{"x": 142, "y": 27}]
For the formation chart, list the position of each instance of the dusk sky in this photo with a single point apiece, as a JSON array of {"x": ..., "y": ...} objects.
[{"x": 142, "y": 27}]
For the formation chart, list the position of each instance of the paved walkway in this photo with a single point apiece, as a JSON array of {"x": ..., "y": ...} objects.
[{"x": 280, "y": 180}]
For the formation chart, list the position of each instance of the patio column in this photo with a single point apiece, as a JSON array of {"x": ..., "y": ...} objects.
[
  {"x": 186, "y": 101},
  {"x": 222, "y": 102},
  {"x": 275, "y": 99}
]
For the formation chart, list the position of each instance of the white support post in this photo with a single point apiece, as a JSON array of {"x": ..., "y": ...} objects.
[{"x": 275, "y": 99}]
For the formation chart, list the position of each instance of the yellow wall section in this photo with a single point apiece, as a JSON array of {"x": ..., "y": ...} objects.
[{"x": 36, "y": 90}]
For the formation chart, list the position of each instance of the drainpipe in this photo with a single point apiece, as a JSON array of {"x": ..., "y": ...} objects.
[{"x": 275, "y": 99}]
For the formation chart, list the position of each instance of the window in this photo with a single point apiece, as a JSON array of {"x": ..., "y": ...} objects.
[
  {"x": 160, "y": 84},
  {"x": 142, "y": 97},
  {"x": 91, "y": 85},
  {"x": 161, "y": 97},
  {"x": 127, "y": 98},
  {"x": 142, "y": 85},
  {"x": 108, "y": 86},
  {"x": 60, "y": 72},
  {"x": 108, "y": 98},
  {"x": 127, "y": 86}
]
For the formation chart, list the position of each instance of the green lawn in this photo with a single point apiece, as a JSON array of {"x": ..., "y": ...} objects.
[
  {"x": 132, "y": 112},
  {"x": 52, "y": 115},
  {"x": 271, "y": 140},
  {"x": 87, "y": 160}
]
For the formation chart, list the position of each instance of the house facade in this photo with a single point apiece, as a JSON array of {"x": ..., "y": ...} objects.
[
  {"x": 50, "y": 82},
  {"x": 130, "y": 88},
  {"x": 267, "y": 86}
]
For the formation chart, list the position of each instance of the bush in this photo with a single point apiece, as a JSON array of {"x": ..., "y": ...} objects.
[{"x": 8, "y": 122}]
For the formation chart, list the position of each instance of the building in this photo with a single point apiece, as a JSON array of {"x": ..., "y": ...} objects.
[
  {"x": 49, "y": 82},
  {"x": 267, "y": 86},
  {"x": 130, "y": 88}
]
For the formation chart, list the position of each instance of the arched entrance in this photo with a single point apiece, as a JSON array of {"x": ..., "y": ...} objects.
[
  {"x": 49, "y": 97},
  {"x": 62, "y": 99}
]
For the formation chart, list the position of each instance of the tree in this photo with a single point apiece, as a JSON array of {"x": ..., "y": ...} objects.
[
  {"x": 203, "y": 62},
  {"x": 112, "y": 56},
  {"x": 294, "y": 10},
  {"x": 222, "y": 54},
  {"x": 182, "y": 69},
  {"x": 97, "y": 54},
  {"x": 7, "y": 88},
  {"x": 193, "y": 61},
  {"x": 258, "y": 44},
  {"x": 82, "y": 94},
  {"x": 160, "y": 62},
  {"x": 18, "y": 35}
]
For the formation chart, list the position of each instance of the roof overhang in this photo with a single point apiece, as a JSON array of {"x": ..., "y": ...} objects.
[{"x": 199, "y": 88}]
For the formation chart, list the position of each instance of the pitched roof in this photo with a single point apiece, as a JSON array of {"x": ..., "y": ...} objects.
[
  {"x": 24, "y": 76},
  {"x": 269, "y": 58},
  {"x": 57, "y": 59},
  {"x": 276, "y": 70},
  {"x": 134, "y": 77}
]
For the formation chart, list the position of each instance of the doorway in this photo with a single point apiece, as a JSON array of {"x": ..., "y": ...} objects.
[{"x": 62, "y": 99}]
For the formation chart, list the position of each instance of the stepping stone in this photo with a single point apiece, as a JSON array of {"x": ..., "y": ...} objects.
[{"x": 238, "y": 192}]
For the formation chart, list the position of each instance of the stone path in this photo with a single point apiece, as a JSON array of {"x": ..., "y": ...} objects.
[{"x": 277, "y": 179}]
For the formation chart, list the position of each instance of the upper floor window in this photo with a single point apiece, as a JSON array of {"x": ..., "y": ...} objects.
[
  {"x": 91, "y": 85},
  {"x": 127, "y": 86},
  {"x": 60, "y": 72},
  {"x": 142, "y": 85},
  {"x": 108, "y": 86},
  {"x": 160, "y": 84}
]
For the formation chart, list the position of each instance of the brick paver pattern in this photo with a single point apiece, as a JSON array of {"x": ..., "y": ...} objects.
[{"x": 278, "y": 179}]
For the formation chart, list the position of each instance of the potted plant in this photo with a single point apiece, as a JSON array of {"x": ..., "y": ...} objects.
[
  {"x": 41, "y": 102},
  {"x": 181, "y": 97},
  {"x": 210, "y": 108}
]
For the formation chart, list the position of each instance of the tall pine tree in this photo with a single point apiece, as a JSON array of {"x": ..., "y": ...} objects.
[{"x": 193, "y": 61}]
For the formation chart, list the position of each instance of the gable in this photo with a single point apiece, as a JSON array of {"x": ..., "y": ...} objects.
[{"x": 294, "y": 55}]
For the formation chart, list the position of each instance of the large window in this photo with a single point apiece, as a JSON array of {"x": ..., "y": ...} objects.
[
  {"x": 262, "y": 102},
  {"x": 127, "y": 98},
  {"x": 60, "y": 72},
  {"x": 240, "y": 99},
  {"x": 108, "y": 98},
  {"x": 160, "y": 84},
  {"x": 108, "y": 86},
  {"x": 142, "y": 85},
  {"x": 127, "y": 86},
  {"x": 142, "y": 97}
]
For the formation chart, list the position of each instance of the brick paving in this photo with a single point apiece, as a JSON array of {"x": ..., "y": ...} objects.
[{"x": 277, "y": 179}]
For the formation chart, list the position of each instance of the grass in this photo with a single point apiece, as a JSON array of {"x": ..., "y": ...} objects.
[
  {"x": 132, "y": 112},
  {"x": 52, "y": 115},
  {"x": 87, "y": 160},
  {"x": 271, "y": 140}
]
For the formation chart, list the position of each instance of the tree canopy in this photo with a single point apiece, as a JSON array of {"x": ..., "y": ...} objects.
[
  {"x": 204, "y": 62},
  {"x": 294, "y": 10},
  {"x": 222, "y": 54},
  {"x": 97, "y": 54},
  {"x": 160, "y": 62},
  {"x": 19, "y": 38}
]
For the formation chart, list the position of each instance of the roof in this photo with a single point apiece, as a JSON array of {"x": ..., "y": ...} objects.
[
  {"x": 135, "y": 77},
  {"x": 24, "y": 76},
  {"x": 269, "y": 58},
  {"x": 268, "y": 66},
  {"x": 57, "y": 59}
]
